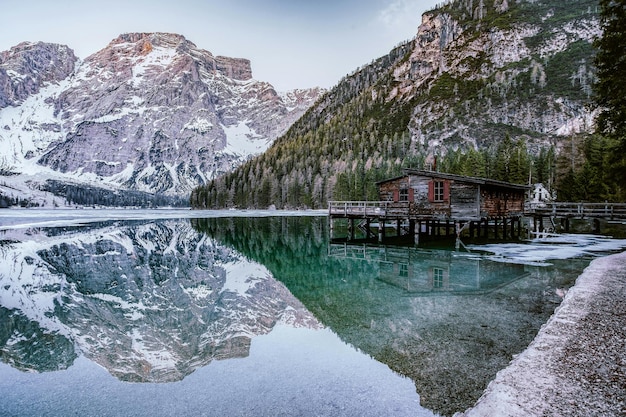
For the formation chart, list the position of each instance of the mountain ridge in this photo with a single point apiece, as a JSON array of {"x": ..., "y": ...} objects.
[
  {"x": 475, "y": 74},
  {"x": 174, "y": 115}
]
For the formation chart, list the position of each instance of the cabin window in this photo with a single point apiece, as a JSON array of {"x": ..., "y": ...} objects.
[
  {"x": 437, "y": 278},
  {"x": 404, "y": 194},
  {"x": 438, "y": 191},
  {"x": 404, "y": 270}
]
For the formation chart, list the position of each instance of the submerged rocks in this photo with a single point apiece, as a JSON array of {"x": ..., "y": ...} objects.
[{"x": 577, "y": 363}]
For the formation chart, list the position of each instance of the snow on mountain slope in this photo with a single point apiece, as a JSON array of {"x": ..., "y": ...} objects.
[{"x": 150, "y": 112}]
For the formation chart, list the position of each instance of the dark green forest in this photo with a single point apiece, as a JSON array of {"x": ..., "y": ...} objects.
[
  {"x": 83, "y": 195},
  {"x": 359, "y": 132}
]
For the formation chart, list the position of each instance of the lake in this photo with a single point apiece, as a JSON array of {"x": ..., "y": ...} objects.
[{"x": 165, "y": 313}]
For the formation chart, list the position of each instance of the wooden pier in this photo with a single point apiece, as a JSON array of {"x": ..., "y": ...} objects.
[
  {"x": 388, "y": 219},
  {"x": 383, "y": 220},
  {"x": 553, "y": 216},
  {"x": 427, "y": 204}
]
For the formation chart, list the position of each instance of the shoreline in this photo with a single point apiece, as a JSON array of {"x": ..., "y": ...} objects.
[{"x": 576, "y": 365}]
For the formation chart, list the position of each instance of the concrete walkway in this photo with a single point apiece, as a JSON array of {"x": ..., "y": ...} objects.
[{"x": 576, "y": 366}]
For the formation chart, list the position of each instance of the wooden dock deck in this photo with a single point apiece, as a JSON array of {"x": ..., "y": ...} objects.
[
  {"x": 409, "y": 218},
  {"x": 606, "y": 211}
]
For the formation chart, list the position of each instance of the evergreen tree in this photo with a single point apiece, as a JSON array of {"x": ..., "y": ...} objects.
[
  {"x": 610, "y": 87},
  {"x": 502, "y": 163},
  {"x": 611, "y": 69}
]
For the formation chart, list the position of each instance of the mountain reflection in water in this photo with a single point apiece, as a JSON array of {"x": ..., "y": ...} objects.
[
  {"x": 154, "y": 301},
  {"x": 148, "y": 302}
]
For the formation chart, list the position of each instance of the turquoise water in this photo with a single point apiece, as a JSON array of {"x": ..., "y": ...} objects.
[{"x": 256, "y": 316}]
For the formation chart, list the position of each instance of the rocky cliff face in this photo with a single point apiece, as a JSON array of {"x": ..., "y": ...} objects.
[
  {"x": 25, "y": 68},
  {"x": 150, "y": 112},
  {"x": 477, "y": 73}
]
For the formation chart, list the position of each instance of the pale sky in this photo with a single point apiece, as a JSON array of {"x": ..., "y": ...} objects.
[{"x": 290, "y": 43}]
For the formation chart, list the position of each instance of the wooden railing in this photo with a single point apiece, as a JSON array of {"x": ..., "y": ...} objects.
[
  {"x": 392, "y": 209},
  {"x": 599, "y": 210},
  {"x": 368, "y": 208}
]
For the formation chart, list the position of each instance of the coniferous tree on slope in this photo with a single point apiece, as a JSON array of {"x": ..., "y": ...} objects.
[{"x": 610, "y": 89}]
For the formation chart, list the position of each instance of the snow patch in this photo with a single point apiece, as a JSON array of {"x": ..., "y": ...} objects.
[
  {"x": 540, "y": 251},
  {"x": 159, "y": 57},
  {"x": 199, "y": 125},
  {"x": 243, "y": 141},
  {"x": 33, "y": 127},
  {"x": 241, "y": 276}
]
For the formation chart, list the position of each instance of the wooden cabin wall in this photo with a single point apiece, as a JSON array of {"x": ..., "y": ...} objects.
[
  {"x": 498, "y": 202},
  {"x": 421, "y": 203},
  {"x": 420, "y": 190},
  {"x": 388, "y": 191},
  {"x": 464, "y": 201}
]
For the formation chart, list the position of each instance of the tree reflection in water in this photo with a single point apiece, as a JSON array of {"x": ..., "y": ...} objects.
[{"x": 448, "y": 320}]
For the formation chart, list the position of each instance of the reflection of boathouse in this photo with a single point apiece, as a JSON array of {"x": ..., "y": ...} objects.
[
  {"x": 426, "y": 203},
  {"x": 432, "y": 272}
]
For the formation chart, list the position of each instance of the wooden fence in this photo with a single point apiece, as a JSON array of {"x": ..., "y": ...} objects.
[
  {"x": 609, "y": 211},
  {"x": 390, "y": 209},
  {"x": 368, "y": 208}
]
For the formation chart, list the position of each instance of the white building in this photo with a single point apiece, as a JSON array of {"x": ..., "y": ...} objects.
[{"x": 539, "y": 196}]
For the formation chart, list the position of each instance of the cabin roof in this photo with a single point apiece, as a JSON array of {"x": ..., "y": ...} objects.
[{"x": 457, "y": 178}]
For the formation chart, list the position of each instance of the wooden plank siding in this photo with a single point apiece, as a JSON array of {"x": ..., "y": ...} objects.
[
  {"x": 501, "y": 202},
  {"x": 459, "y": 198}
]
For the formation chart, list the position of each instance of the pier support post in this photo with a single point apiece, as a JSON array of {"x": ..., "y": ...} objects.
[
  {"x": 596, "y": 226},
  {"x": 496, "y": 235},
  {"x": 351, "y": 230}
]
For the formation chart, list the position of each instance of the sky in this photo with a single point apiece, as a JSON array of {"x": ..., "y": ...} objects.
[{"x": 290, "y": 43}]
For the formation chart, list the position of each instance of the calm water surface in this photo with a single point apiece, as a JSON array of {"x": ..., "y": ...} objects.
[{"x": 255, "y": 316}]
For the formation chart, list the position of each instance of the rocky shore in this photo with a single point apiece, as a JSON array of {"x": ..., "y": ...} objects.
[{"x": 576, "y": 366}]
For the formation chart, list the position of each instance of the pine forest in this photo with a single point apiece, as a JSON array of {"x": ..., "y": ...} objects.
[{"x": 480, "y": 91}]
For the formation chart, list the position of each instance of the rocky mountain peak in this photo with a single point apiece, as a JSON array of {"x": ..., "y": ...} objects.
[
  {"x": 512, "y": 59},
  {"x": 169, "y": 40},
  {"x": 136, "y": 48},
  {"x": 150, "y": 112},
  {"x": 477, "y": 72},
  {"x": 26, "y": 67}
]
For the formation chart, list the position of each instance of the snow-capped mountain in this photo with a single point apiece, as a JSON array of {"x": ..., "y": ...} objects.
[
  {"x": 175, "y": 300},
  {"x": 150, "y": 112}
]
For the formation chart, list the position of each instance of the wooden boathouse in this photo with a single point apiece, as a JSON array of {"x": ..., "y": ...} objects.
[{"x": 426, "y": 203}]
